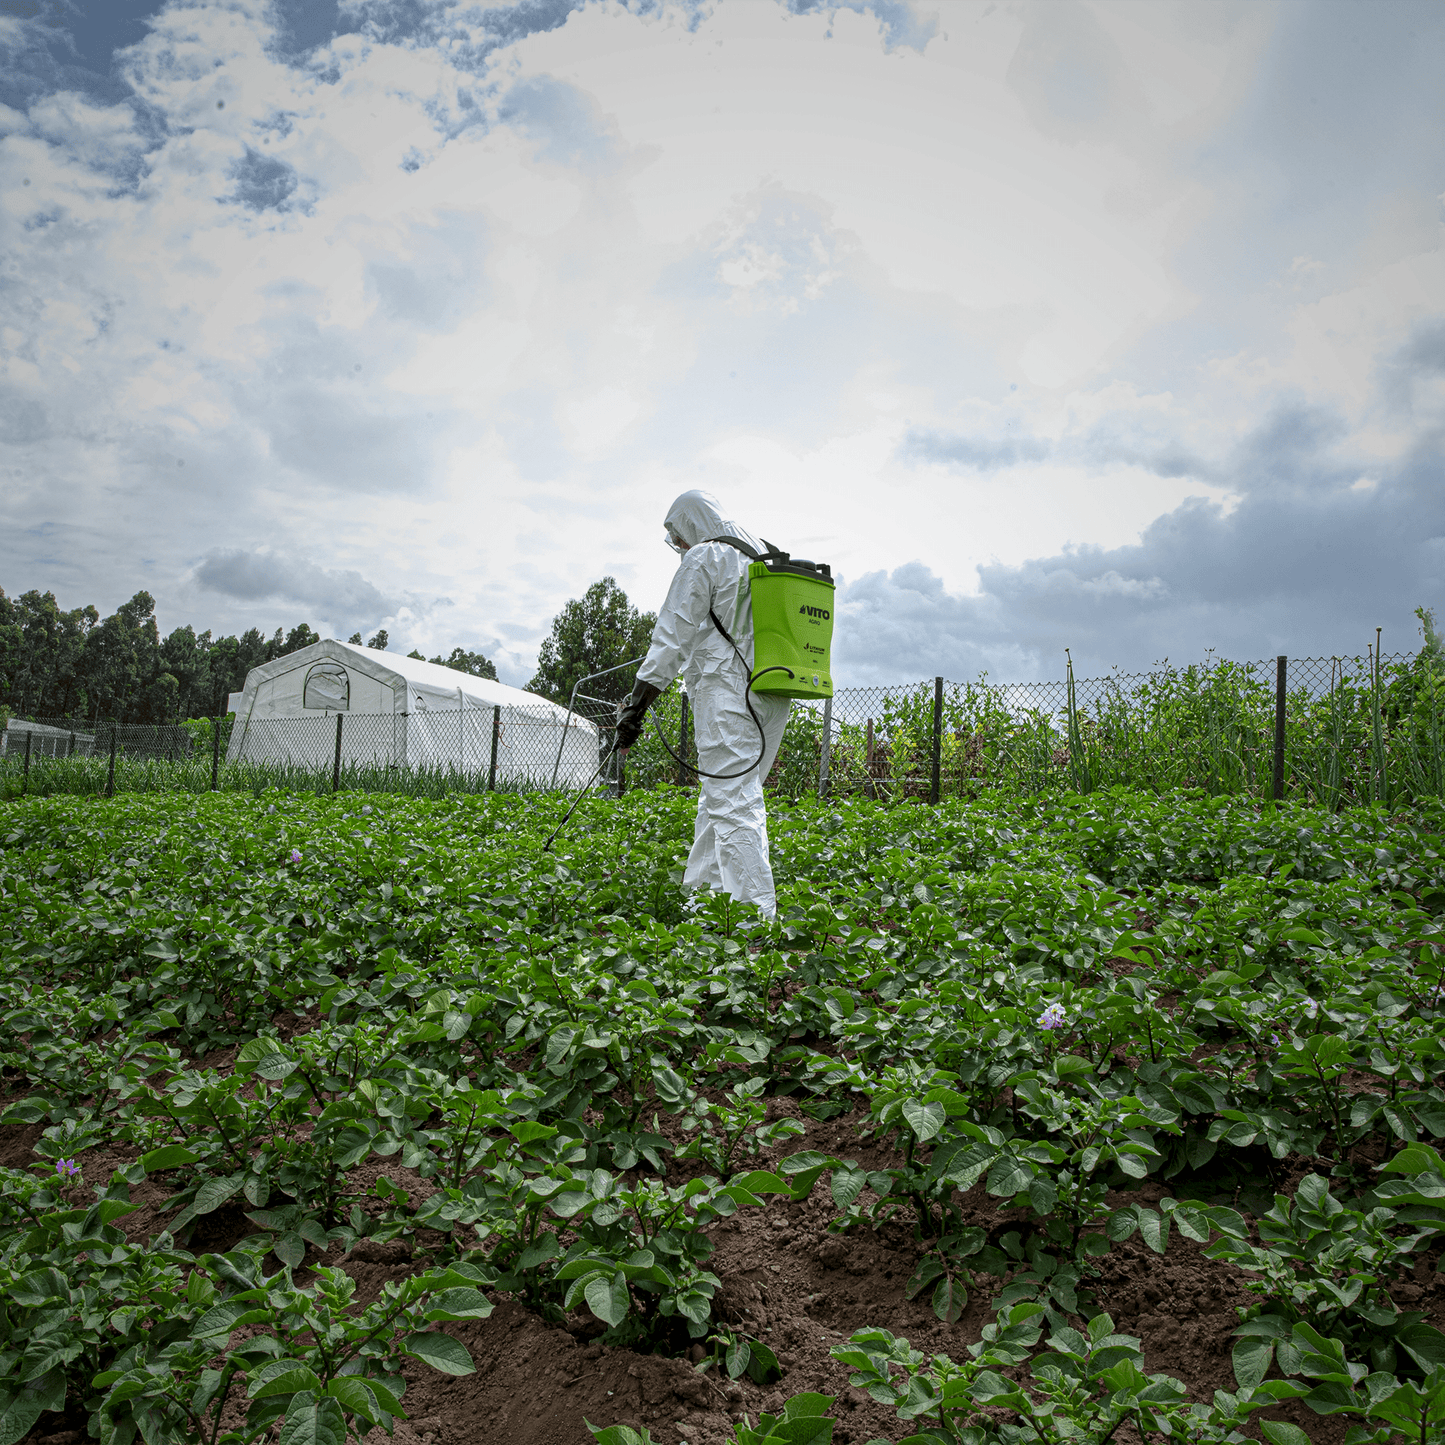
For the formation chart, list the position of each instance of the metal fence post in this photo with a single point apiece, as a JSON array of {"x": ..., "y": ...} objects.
[
  {"x": 1279, "y": 685},
  {"x": 70, "y": 751},
  {"x": 216, "y": 755},
  {"x": 496, "y": 734},
  {"x": 336, "y": 764},
  {"x": 827, "y": 747},
  {"x": 25, "y": 780},
  {"x": 933, "y": 787},
  {"x": 110, "y": 777}
]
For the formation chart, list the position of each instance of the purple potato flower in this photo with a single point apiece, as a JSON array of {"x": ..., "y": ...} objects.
[
  {"x": 67, "y": 1168},
  {"x": 295, "y": 856},
  {"x": 1052, "y": 1017}
]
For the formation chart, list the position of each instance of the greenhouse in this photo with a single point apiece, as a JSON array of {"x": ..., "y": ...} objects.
[{"x": 335, "y": 703}]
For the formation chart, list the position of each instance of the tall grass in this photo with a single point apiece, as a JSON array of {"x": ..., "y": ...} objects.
[{"x": 88, "y": 777}]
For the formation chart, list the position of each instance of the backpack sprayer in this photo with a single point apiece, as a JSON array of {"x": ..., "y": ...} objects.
[{"x": 792, "y": 602}]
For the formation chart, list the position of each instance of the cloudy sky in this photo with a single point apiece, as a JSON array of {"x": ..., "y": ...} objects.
[{"x": 1109, "y": 324}]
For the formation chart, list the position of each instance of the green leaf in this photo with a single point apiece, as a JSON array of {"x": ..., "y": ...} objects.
[
  {"x": 1332, "y": 1399},
  {"x": 173, "y": 1156},
  {"x": 617, "y": 1434},
  {"x": 807, "y": 1406},
  {"x": 320, "y": 1422},
  {"x": 1281, "y": 1432},
  {"x": 608, "y": 1298},
  {"x": 214, "y": 1193},
  {"x": 763, "y": 1367},
  {"x": 1199, "y": 1150},
  {"x": 1122, "y": 1223},
  {"x": 805, "y": 1162},
  {"x": 459, "y": 1304},
  {"x": 1424, "y": 1344},
  {"x": 804, "y": 1430},
  {"x": 281, "y": 1377},
  {"x": 1154, "y": 1229},
  {"x": 49, "y": 1389},
  {"x": 1043, "y": 1195},
  {"x": 1008, "y": 1176},
  {"x": 763, "y": 1181},
  {"x": 924, "y": 1119},
  {"x": 383, "y": 1401},
  {"x": 1227, "y": 1221},
  {"x": 950, "y": 1299},
  {"x": 1134, "y": 1167},
  {"x": 1252, "y": 1357},
  {"x": 218, "y": 1321},
  {"x": 1415, "y": 1159},
  {"x": 847, "y": 1184},
  {"x": 439, "y": 1351},
  {"x": 736, "y": 1360},
  {"x": 355, "y": 1398},
  {"x": 19, "y": 1410},
  {"x": 290, "y": 1248},
  {"x": 39, "y": 1286}
]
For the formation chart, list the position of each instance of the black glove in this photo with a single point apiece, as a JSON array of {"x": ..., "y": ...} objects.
[{"x": 633, "y": 713}]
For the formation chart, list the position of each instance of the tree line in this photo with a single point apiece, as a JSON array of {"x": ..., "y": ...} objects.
[{"x": 77, "y": 664}]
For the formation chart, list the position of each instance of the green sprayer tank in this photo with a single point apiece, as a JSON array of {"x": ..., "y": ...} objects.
[{"x": 792, "y": 623}]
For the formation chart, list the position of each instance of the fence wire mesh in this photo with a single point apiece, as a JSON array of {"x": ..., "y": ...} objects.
[
  {"x": 470, "y": 749},
  {"x": 1354, "y": 730}
]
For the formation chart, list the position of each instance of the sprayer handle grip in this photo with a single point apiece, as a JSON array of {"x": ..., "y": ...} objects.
[{"x": 633, "y": 713}]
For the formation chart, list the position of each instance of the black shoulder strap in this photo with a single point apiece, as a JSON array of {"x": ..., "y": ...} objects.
[
  {"x": 717, "y": 622},
  {"x": 739, "y": 544},
  {"x": 747, "y": 551},
  {"x": 778, "y": 560}
]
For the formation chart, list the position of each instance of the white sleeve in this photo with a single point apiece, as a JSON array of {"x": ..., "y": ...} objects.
[{"x": 684, "y": 614}]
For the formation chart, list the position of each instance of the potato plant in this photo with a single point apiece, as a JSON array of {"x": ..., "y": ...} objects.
[{"x": 276, "y": 1006}]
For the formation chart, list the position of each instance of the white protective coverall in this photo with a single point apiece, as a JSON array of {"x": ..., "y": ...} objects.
[{"x": 730, "y": 843}]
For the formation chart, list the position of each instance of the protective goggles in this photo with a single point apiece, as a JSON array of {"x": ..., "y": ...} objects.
[{"x": 672, "y": 541}]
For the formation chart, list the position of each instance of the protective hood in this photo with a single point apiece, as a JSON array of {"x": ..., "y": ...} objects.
[{"x": 697, "y": 516}]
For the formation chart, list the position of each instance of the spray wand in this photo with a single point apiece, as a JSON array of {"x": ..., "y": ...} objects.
[{"x": 607, "y": 758}]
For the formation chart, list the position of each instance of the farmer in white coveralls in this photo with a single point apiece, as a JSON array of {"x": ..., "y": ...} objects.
[{"x": 730, "y": 844}]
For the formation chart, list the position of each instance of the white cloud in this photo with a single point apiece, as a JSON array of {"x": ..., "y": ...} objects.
[{"x": 456, "y": 307}]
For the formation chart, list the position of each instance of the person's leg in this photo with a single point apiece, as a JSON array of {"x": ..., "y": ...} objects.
[
  {"x": 728, "y": 742},
  {"x": 702, "y": 866}
]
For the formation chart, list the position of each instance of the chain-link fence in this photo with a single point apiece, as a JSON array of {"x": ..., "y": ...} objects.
[
  {"x": 470, "y": 749},
  {"x": 1331, "y": 730}
]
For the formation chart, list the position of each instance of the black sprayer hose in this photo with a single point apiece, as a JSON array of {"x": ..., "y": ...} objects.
[
  {"x": 762, "y": 736},
  {"x": 757, "y": 723}
]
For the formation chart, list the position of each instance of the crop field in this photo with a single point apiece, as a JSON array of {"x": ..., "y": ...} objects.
[{"x": 1087, "y": 1119}]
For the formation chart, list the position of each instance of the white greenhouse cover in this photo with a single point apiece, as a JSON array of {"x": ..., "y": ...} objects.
[{"x": 404, "y": 712}]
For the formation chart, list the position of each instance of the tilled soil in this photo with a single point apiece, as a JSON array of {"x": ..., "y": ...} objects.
[{"x": 787, "y": 1281}]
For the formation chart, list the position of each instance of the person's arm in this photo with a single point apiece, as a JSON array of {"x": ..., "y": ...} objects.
[{"x": 682, "y": 617}]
